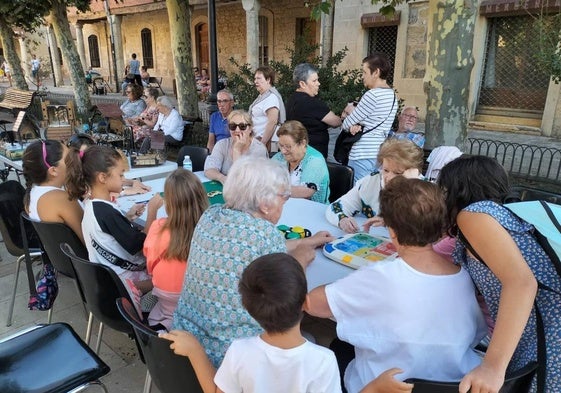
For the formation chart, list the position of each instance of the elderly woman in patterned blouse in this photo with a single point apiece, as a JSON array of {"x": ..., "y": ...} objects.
[{"x": 228, "y": 238}]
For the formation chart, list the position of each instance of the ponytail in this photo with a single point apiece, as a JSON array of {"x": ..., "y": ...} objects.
[
  {"x": 75, "y": 182},
  {"x": 82, "y": 168}
]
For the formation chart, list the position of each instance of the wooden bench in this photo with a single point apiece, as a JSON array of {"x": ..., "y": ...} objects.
[
  {"x": 157, "y": 83},
  {"x": 16, "y": 100}
]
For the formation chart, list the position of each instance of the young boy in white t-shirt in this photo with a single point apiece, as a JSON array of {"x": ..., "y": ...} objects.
[{"x": 273, "y": 290}]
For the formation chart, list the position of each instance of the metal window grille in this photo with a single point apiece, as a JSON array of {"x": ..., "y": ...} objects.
[
  {"x": 263, "y": 40},
  {"x": 147, "y": 54},
  {"x": 94, "y": 51},
  {"x": 513, "y": 84},
  {"x": 383, "y": 39}
]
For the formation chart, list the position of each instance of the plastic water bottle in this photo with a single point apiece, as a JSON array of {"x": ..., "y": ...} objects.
[{"x": 187, "y": 164}]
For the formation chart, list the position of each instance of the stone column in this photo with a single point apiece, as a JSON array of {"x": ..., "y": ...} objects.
[
  {"x": 55, "y": 56},
  {"x": 251, "y": 8},
  {"x": 80, "y": 45},
  {"x": 25, "y": 66}
]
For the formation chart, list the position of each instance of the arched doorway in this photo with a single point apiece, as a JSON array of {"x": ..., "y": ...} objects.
[{"x": 201, "y": 37}]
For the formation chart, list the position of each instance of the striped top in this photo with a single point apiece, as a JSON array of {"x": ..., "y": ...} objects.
[{"x": 376, "y": 106}]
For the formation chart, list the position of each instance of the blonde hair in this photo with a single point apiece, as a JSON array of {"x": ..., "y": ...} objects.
[
  {"x": 403, "y": 152},
  {"x": 185, "y": 201},
  {"x": 295, "y": 130}
]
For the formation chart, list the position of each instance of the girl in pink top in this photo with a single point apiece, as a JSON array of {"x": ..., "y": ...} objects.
[{"x": 166, "y": 247}]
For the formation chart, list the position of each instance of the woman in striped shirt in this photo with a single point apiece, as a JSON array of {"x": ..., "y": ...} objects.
[{"x": 374, "y": 114}]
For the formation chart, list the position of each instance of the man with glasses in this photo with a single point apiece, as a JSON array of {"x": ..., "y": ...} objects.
[
  {"x": 406, "y": 128},
  {"x": 218, "y": 128}
]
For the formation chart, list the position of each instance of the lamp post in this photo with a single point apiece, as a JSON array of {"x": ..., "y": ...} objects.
[
  {"x": 112, "y": 40},
  {"x": 213, "y": 56}
]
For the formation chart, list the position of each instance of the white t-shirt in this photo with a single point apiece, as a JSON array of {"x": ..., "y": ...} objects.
[
  {"x": 259, "y": 115},
  {"x": 252, "y": 365},
  {"x": 396, "y": 316}
]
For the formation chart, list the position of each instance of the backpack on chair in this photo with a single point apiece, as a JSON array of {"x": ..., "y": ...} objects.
[{"x": 546, "y": 219}]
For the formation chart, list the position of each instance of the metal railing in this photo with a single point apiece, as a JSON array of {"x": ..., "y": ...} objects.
[{"x": 538, "y": 164}]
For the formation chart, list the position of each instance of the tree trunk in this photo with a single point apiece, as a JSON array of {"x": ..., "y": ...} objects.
[
  {"x": 58, "y": 18},
  {"x": 449, "y": 64},
  {"x": 6, "y": 36},
  {"x": 327, "y": 21},
  {"x": 179, "y": 16}
]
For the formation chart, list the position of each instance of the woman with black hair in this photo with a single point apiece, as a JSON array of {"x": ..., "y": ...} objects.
[{"x": 505, "y": 262}]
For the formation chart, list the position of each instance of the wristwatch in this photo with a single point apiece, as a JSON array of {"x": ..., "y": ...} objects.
[{"x": 312, "y": 186}]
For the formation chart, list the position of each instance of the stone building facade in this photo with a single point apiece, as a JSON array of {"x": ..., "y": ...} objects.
[{"x": 505, "y": 92}]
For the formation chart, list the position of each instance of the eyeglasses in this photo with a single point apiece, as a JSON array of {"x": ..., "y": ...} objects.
[
  {"x": 222, "y": 101},
  {"x": 409, "y": 117},
  {"x": 242, "y": 126},
  {"x": 285, "y": 195},
  {"x": 285, "y": 147},
  {"x": 45, "y": 155}
]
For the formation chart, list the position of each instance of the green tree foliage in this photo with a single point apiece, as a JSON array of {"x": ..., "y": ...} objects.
[
  {"x": 548, "y": 53},
  {"x": 337, "y": 87},
  {"x": 25, "y": 15}
]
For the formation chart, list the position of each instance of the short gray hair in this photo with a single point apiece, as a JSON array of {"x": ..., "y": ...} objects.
[
  {"x": 227, "y": 92},
  {"x": 302, "y": 72},
  {"x": 254, "y": 181},
  {"x": 165, "y": 101}
]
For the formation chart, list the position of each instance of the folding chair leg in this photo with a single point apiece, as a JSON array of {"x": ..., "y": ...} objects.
[
  {"x": 86, "y": 313},
  {"x": 147, "y": 383},
  {"x": 89, "y": 329},
  {"x": 99, "y": 334},
  {"x": 87, "y": 386},
  {"x": 11, "y": 309}
]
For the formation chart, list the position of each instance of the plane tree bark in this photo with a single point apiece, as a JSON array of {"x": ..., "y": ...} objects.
[
  {"x": 179, "y": 15},
  {"x": 6, "y": 36},
  {"x": 59, "y": 20}
]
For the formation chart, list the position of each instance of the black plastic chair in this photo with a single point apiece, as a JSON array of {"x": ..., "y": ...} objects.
[
  {"x": 31, "y": 361},
  {"x": 517, "y": 382},
  {"x": 197, "y": 154},
  {"x": 171, "y": 373},
  {"x": 16, "y": 235},
  {"x": 52, "y": 235},
  {"x": 341, "y": 180},
  {"x": 101, "y": 287}
]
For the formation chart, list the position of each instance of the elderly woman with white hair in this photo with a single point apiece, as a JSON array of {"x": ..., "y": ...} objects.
[
  {"x": 226, "y": 240},
  {"x": 305, "y": 106},
  {"x": 169, "y": 121}
]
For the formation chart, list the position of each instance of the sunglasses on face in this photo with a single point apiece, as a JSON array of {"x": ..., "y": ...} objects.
[{"x": 241, "y": 126}]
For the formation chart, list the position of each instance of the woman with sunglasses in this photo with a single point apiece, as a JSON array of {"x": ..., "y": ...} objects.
[
  {"x": 44, "y": 170},
  {"x": 240, "y": 143}
]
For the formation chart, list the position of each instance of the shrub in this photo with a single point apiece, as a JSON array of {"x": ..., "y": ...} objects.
[{"x": 337, "y": 87}]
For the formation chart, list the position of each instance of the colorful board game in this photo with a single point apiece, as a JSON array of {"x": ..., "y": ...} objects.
[{"x": 359, "y": 249}]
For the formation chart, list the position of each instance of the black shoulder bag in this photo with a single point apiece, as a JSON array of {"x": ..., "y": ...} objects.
[{"x": 346, "y": 140}]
